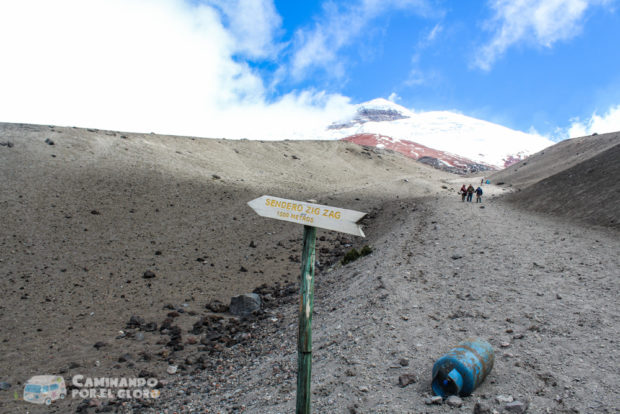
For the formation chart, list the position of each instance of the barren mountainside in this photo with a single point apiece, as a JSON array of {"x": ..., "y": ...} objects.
[
  {"x": 578, "y": 179},
  {"x": 120, "y": 253}
]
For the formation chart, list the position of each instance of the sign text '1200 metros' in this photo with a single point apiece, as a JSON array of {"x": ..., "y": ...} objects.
[{"x": 310, "y": 214}]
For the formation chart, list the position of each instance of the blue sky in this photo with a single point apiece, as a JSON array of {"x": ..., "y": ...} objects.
[{"x": 197, "y": 67}]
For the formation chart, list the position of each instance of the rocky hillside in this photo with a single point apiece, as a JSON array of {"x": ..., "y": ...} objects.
[
  {"x": 119, "y": 255},
  {"x": 440, "y": 160},
  {"x": 99, "y": 226},
  {"x": 577, "y": 178}
]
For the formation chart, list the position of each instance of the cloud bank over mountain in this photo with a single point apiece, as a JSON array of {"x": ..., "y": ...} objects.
[
  {"x": 217, "y": 68},
  {"x": 163, "y": 66}
]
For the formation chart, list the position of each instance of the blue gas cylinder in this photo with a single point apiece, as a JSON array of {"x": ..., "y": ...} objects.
[{"x": 462, "y": 369}]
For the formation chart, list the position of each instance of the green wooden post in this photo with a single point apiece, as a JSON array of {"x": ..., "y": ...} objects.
[{"x": 306, "y": 306}]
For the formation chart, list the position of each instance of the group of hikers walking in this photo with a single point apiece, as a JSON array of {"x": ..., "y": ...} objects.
[{"x": 468, "y": 192}]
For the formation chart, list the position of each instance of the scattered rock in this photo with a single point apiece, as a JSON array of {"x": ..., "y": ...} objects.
[
  {"x": 95, "y": 212},
  {"x": 99, "y": 345},
  {"x": 436, "y": 399},
  {"x": 125, "y": 358},
  {"x": 363, "y": 388},
  {"x": 148, "y": 275},
  {"x": 135, "y": 322},
  {"x": 482, "y": 408},
  {"x": 243, "y": 269},
  {"x": 404, "y": 362},
  {"x": 517, "y": 406},
  {"x": 504, "y": 399},
  {"x": 406, "y": 379},
  {"x": 217, "y": 306},
  {"x": 243, "y": 305},
  {"x": 49, "y": 141},
  {"x": 216, "y": 177},
  {"x": 172, "y": 369},
  {"x": 456, "y": 257},
  {"x": 6, "y": 144},
  {"x": 454, "y": 401},
  {"x": 252, "y": 244},
  {"x": 149, "y": 327}
]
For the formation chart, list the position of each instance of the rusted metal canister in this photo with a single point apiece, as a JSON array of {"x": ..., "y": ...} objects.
[{"x": 462, "y": 369}]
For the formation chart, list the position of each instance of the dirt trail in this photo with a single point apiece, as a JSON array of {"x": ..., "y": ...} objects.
[{"x": 541, "y": 291}]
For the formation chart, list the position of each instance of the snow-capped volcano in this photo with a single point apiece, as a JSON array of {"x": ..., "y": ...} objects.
[
  {"x": 480, "y": 141},
  {"x": 377, "y": 110}
]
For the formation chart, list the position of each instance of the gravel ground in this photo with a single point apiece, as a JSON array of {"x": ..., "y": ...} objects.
[
  {"x": 541, "y": 291},
  {"x": 87, "y": 214}
]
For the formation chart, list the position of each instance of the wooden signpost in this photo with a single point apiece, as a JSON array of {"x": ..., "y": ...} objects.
[{"x": 311, "y": 216}]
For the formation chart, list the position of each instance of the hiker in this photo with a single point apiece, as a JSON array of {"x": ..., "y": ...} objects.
[
  {"x": 482, "y": 181},
  {"x": 470, "y": 192},
  {"x": 479, "y": 195},
  {"x": 463, "y": 192}
]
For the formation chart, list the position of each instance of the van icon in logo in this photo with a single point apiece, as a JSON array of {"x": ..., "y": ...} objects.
[{"x": 43, "y": 389}]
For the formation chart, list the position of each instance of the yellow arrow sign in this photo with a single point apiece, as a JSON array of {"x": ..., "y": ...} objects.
[{"x": 309, "y": 214}]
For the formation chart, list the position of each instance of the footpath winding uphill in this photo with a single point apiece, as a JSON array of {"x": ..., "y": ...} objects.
[{"x": 541, "y": 291}]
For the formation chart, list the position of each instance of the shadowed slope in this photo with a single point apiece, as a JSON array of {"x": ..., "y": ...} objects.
[
  {"x": 588, "y": 191},
  {"x": 555, "y": 159}
]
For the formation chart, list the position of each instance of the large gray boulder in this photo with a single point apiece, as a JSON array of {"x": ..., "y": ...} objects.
[{"x": 243, "y": 305}]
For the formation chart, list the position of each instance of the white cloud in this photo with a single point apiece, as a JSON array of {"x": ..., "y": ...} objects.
[
  {"x": 432, "y": 35},
  {"x": 416, "y": 77},
  {"x": 147, "y": 65},
  {"x": 394, "y": 97},
  {"x": 609, "y": 122},
  {"x": 338, "y": 27},
  {"x": 253, "y": 23},
  {"x": 534, "y": 22}
]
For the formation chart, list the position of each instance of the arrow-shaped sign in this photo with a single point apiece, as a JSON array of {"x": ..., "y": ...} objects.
[{"x": 309, "y": 214}]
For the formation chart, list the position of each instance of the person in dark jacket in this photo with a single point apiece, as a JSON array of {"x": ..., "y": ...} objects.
[
  {"x": 479, "y": 195},
  {"x": 470, "y": 192}
]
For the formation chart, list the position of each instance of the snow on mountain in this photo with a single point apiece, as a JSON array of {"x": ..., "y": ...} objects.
[{"x": 480, "y": 141}]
